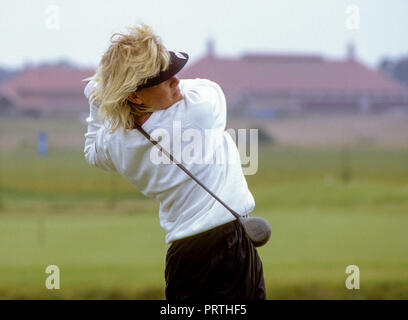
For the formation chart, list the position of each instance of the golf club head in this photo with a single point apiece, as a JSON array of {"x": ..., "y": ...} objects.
[{"x": 257, "y": 229}]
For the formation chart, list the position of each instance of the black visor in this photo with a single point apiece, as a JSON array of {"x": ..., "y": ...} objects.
[{"x": 177, "y": 62}]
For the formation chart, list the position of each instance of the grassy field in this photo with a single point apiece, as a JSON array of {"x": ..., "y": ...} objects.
[{"x": 106, "y": 239}]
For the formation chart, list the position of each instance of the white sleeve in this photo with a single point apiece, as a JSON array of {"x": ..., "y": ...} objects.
[
  {"x": 95, "y": 152},
  {"x": 206, "y": 105}
]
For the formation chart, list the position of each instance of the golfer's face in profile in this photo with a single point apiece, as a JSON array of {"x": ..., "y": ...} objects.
[{"x": 160, "y": 96}]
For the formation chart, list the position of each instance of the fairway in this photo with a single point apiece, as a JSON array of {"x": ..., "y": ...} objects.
[{"x": 106, "y": 240}]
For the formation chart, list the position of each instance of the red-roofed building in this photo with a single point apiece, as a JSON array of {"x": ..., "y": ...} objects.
[
  {"x": 264, "y": 85},
  {"x": 50, "y": 90},
  {"x": 257, "y": 85}
]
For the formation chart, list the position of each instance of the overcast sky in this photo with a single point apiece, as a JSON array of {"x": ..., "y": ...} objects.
[{"x": 35, "y": 31}]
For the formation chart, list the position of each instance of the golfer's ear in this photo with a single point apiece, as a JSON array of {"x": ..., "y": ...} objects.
[{"x": 133, "y": 97}]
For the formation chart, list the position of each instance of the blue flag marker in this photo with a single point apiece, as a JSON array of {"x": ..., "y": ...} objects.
[{"x": 42, "y": 144}]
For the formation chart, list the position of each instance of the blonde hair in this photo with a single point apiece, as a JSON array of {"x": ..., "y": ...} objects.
[{"x": 129, "y": 62}]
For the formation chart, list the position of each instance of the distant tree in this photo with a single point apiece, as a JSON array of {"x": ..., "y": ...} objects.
[
  {"x": 397, "y": 69},
  {"x": 5, "y": 74},
  {"x": 401, "y": 70},
  {"x": 387, "y": 66}
]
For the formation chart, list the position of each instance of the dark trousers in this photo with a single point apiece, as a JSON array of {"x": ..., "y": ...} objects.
[{"x": 219, "y": 264}]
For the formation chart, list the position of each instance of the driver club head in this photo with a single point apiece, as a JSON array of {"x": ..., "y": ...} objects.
[{"x": 257, "y": 229}]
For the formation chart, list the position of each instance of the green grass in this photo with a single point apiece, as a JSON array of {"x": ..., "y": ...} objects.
[{"x": 58, "y": 210}]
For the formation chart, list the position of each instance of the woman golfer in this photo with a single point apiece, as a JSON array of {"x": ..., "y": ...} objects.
[{"x": 210, "y": 256}]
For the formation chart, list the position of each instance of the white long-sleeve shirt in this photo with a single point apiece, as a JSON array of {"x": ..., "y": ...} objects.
[{"x": 197, "y": 122}]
